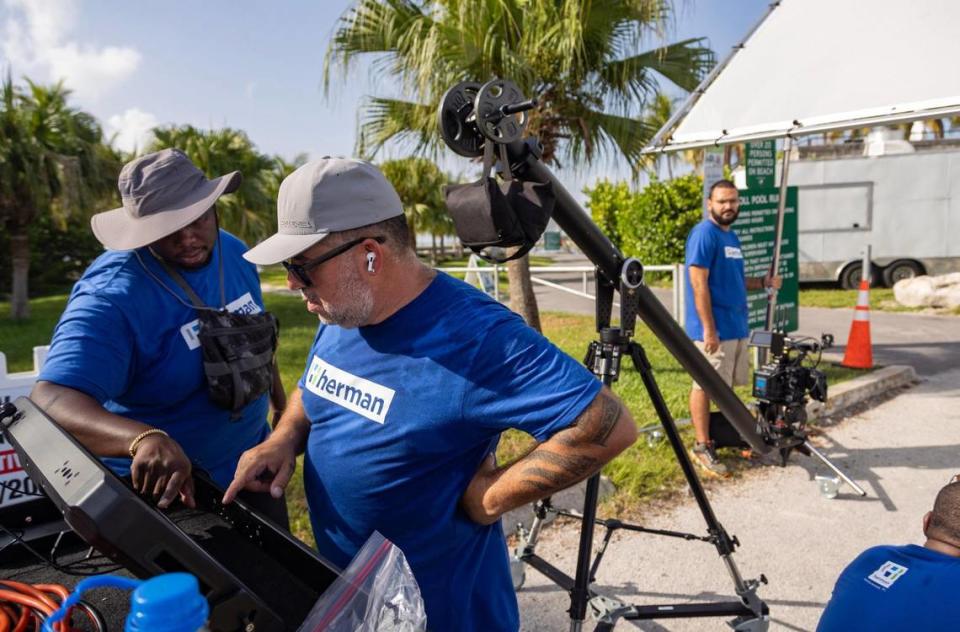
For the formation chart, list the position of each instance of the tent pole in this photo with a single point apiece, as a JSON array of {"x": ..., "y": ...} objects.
[{"x": 781, "y": 211}]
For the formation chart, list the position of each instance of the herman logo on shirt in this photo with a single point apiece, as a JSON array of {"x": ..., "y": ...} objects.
[
  {"x": 243, "y": 305},
  {"x": 732, "y": 252},
  {"x": 354, "y": 393},
  {"x": 887, "y": 574}
]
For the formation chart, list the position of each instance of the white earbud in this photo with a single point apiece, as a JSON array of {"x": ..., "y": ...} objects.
[{"x": 371, "y": 257}]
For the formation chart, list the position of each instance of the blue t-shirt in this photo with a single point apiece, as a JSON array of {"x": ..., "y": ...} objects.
[
  {"x": 896, "y": 588},
  {"x": 128, "y": 343},
  {"x": 402, "y": 414},
  {"x": 717, "y": 250}
]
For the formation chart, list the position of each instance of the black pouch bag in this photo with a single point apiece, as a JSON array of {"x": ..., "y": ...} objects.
[
  {"x": 238, "y": 354},
  {"x": 237, "y": 349},
  {"x": 487, "y": 213}
]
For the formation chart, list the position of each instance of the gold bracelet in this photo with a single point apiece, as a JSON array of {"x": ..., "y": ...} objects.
[{"x": 140, "y": 437}]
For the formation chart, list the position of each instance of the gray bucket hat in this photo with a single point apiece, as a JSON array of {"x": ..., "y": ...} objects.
[
  {"x": 162, "y": 192},
  {"x": 322, "y": 197}
]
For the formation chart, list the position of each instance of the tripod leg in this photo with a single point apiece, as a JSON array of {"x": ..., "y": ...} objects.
[
  {"x": 580, "y": 595},
  {"x": 746, "y": 590},
  {"x": 836, "y": 470}
]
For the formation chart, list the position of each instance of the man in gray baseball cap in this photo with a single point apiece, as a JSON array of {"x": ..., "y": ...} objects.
[
  {"x": 411, "y": 378},
  {"x": 125, "y": 374}
]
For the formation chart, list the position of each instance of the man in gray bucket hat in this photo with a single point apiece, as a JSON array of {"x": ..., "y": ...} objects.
[
  {"x": 124, "y": 374},
  {"x": 411, "y": 379}
]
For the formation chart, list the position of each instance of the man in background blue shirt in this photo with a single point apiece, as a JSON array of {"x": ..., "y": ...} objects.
[
  {"x": 716, "y": 317},
  {"x": 904, "y": 587}
]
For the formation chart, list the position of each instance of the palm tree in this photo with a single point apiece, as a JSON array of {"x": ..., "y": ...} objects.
[
  {"x": 250, "y": 211},
  {"x": 419, "y": 183},
  {"x": 584, "y": 60},
  {"x": 52, "y": 161},
  {"x": 660, "y": 110}
]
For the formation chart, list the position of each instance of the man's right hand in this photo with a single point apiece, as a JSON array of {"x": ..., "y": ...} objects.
[
  {"x": 265, "y": 468},
  {"x": 711, "y": 341},
  {"x": 162, "y": 470}
]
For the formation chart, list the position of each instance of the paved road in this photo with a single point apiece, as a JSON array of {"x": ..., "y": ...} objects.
[
  {"x": 931, "y": 344},
  {"x": 902, "y": 451}
]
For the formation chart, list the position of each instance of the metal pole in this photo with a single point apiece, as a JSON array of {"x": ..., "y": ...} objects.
[
  {"x": 682, "y": 318},
  {"x": 836, "y": 470},
  {"x": 677, "y": 271},
  {"x": 781, "y": 211},
  {"x": 865, "y": 265},
  {"x": 496, "y": 282}
]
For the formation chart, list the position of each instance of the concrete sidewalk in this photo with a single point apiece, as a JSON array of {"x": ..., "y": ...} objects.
[{"x": 902, "y": 452}]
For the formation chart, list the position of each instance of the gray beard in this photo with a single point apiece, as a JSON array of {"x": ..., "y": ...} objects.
[{"x": 356, "y": 303}]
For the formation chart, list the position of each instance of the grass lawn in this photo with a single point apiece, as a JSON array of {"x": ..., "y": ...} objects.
[
  {"x": 640, "y": 473},
  {"x": 881, "y": 299}
]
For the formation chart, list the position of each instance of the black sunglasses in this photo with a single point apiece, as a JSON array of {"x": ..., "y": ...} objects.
[{"x": 299, "y": 270}]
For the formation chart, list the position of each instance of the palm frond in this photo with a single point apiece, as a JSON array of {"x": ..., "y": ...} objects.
[
  {"x": 684, "y": 63},
  {"x": 384, "y": 120},
  {"x": 603, "y": 133}
]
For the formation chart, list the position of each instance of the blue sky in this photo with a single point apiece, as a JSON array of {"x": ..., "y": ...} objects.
[{"x": 256, "y": 66}]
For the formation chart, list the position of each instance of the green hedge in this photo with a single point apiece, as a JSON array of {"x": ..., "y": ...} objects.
[{"x": 650, "y": 224}]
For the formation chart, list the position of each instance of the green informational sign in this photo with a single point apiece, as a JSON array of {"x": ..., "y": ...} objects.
[
  {"x": 756, "y": 227},
  {"x": 551, "y": 240},
  {"x": 761, "y": 164}
]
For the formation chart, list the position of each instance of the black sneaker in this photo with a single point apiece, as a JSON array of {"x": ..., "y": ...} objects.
[{"x": 705, "y": 455}]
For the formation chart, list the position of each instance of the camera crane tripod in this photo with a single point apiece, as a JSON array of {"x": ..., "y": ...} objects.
[{"x": 475, "y": 117}]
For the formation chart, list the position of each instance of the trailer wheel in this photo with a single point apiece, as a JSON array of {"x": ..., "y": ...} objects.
[
  {"x": 900, "y": 270},
  {"x": 850, "y": 276}
]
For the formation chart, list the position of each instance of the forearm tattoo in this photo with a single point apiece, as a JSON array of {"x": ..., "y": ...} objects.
[
  {"x": 546, "y": 470},
  {"x": 596, "y": 423},
  {"x": 562, "y": 469}
]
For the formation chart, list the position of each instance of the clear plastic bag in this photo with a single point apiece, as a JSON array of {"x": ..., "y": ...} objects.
[{"x": 377, "y": 593}]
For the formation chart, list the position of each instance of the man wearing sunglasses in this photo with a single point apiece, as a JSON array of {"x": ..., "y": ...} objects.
[
  {"x": 904, "y": 587},
  {"x": 411, "y": 379}
]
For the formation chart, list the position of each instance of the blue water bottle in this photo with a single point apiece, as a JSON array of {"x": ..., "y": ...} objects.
[
  {"x": 165, "y": 603},
  {"x": 168, "y": 603}
]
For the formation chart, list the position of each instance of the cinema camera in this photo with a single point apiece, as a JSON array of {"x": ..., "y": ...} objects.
[{"x": 785, "y": 385}]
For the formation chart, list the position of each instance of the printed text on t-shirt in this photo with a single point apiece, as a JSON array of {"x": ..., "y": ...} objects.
[{"x": 354, "y": 393}]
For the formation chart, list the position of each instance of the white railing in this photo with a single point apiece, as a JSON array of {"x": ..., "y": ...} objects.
[{"x": 488, "y": 279}]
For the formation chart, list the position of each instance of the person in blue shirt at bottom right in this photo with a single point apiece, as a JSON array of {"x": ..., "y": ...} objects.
[
  {"x": 716, "y": 317},
  {"x": 904, "y": 587},
  {"x": 411, "y": 378}
]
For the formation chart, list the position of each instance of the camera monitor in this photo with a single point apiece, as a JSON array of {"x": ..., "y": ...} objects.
[
  {"x": 253, "y": 574},
  {"x": 772, "y": 340}
]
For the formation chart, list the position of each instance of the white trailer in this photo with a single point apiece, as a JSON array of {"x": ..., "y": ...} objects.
[{"x": 906, "y": 206}]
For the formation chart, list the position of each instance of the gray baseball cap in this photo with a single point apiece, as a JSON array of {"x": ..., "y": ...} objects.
[
  {"x": 161, "y": 192},
  {"x": 322, "y": 197}
]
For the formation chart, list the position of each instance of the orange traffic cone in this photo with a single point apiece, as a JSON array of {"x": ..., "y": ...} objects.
[{"x": 859, "y": 353}]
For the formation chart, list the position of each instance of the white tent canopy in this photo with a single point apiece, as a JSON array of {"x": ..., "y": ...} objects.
[{"x": 816, "y": 65}]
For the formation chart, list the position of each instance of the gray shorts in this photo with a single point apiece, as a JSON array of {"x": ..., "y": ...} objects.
[{"x": 731, "y": 360}]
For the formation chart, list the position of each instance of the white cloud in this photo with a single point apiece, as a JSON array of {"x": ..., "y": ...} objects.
[
  {"x": 36, "y": 42},
  {"x": 250, "y": 88},
  {"x": 132, "y": 129}
]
